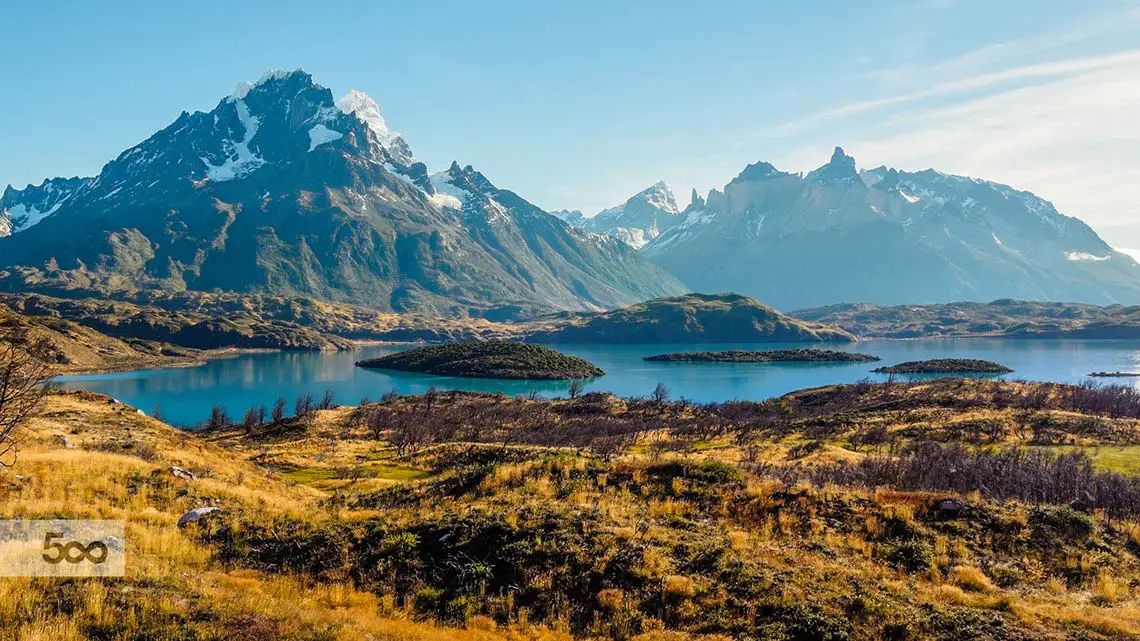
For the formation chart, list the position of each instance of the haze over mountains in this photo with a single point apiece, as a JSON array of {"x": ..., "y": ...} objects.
[
  {"x": 636, "y": 222},
  {"x": 880, "y": 235},
  {"x": 282, "y": 189}
]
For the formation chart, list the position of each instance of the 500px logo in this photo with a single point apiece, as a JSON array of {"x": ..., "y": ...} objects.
[
  {"x": 63, "y": 548},
  {"x": 74, "y": 551}
]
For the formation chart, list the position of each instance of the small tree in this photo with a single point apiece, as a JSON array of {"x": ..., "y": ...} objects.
[
  {"x": 660, "y": 393},
  {"x": 327, "y": 401},
  {"x": 249, "y": 421},
  {"x": 575, "y": 389},
  {"x": 218, "y": 418},
  {"x": 278, "y": 409},
  {"x": 24, "y": 377},
  {"x": 376, "y": 423},
  {"x": 157, "y": 414},
  {"x": 304, "y": 405}
]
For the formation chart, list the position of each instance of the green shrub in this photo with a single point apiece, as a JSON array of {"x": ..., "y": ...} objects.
[{"x": 911, "y": 556}]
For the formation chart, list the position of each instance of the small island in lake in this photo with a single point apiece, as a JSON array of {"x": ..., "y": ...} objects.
[
  {"x": 492, "y": 359},
  {"x": 946, "y": 366},
  {"x": 1115, "y": 374},
  {"x": 810, "y": 355}
]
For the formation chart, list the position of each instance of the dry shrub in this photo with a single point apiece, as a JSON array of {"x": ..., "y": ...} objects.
[
  {"x": 678, "y": 586},
  {"x": 611, "y": 599},
  {"x": 971, "y": 578}
]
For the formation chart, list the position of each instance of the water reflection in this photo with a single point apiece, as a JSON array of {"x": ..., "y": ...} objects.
[{"x": 186, "y": 394}]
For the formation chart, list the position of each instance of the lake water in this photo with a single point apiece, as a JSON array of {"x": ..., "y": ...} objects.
[{"x": 186, "y": 395}]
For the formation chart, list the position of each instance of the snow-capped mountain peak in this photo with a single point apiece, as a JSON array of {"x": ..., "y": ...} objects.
[
  {"x": 281, "y": 188},
  {"x": 659, "y": 196},
  {"x": 637, "y": 221},
  {"x": 361, "y": 105},
  {"x": 888, "y": 236},
  {"x": 21, "y": 209},
  {"x": 243, "y": 88}
]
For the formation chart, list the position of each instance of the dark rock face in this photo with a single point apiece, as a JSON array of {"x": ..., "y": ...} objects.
[
  {"x": 280, "y": 189},
  {"x": 887, "y": 237}
]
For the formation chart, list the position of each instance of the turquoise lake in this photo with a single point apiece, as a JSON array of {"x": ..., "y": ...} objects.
[{"x": 186, "y": 395}]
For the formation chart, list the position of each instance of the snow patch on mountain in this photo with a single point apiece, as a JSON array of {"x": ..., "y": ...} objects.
[
  {"x": 447, "y": 195},
  {"x": 661, "y": 197},
  {"x": 321, "y": 134},
  {"x": 240, "y": 160},
  {"x": 22, "y": 217},
  {"x": 22, "y": 209},
  {"x": 1083, "y": 256}
]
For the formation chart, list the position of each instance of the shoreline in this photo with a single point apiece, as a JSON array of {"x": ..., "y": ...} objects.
[{"x": 220, "y": 353}]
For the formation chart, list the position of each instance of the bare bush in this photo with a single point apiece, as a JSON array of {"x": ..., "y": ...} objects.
[
  {"x": 1010, "y": 473},
  {"x": 24, "y": 377}
]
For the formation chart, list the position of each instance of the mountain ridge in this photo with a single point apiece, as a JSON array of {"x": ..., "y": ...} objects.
[
  {"x": 281, "y": 190},
  {"x": 838, "y": 234},
  {"x": 637, "y": 221}
]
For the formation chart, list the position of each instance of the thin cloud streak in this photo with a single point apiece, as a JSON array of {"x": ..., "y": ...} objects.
[
  {"x": 1072, "y": 140},
  {"x": 1027, "y": 72}
]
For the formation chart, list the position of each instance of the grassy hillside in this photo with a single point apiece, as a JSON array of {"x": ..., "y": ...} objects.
[
  {"x": 695, "y": 318},
  {"x": 819, "y": 515},
  {"x": 178, "y": 585},
  {"x": 1006, "y": 317},
  {"x": 71, "y": 348}
]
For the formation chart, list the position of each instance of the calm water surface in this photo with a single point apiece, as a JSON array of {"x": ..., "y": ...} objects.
[{"x": 185, "y": 395}]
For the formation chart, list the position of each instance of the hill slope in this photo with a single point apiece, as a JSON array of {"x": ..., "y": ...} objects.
[
  {"x": 1005, "y": 317},
  {"x": 745, "y": 520},
  {"x": 71, "y": 348},
  {"x": 693, "y": 318},
  {"x": 280, "y": 189}
]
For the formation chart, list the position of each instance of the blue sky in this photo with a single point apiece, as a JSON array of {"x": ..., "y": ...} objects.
[{"x": 580, "y": 104}]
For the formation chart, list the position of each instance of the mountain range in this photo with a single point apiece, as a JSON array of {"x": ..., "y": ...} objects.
[
  {"x": 282, "y": 189},
  {"x": 881, "y": 236},
  {"x": 636, "y": 222}
]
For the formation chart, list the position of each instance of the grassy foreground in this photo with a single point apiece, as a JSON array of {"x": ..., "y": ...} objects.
[{"x": 454, "y": 515}]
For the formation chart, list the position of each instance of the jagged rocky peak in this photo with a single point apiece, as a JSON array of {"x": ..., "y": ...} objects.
[
  {"x": 572, "y": 217},
  {"x": 659, "y": 196},
  {"x": 695, "y": 201},
  {"x": 365, "y": 108},
  {"x": 841, "y": 168},
  {"x": 21, "y": 209},
  {"x": 759, "y": 171},
  {"x": 281, "y": 188}
]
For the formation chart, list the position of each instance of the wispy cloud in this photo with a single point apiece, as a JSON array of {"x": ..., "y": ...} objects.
[
  {"x": 1065, "y": 127},
  {"x": 1072, "y": 139},
  {"x": 1039, "y": 71}
]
